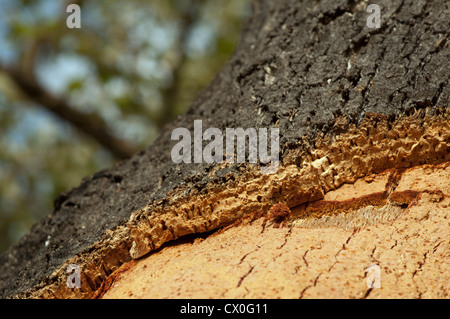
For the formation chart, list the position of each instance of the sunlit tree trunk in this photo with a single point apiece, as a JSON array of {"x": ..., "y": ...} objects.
[{"x": 349, "y": 99}]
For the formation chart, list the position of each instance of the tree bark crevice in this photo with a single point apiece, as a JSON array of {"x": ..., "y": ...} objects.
[{"x": 348, "y": 100}]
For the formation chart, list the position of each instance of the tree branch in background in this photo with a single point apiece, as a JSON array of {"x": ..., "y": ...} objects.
[
  {"x": 170, "y": 95},
  {"x": 91, "y": 125}
]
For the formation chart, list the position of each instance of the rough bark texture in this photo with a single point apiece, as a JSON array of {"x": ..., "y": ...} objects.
[
  {"x": 349, "y": 102},
  {"x": 327, "y": 259}
]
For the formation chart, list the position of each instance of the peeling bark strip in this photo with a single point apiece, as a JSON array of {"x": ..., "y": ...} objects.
[
  {"x": 354, "y": 154},
  {"x": 405, "y": 254},
  {"x": 214, "y": 151},
  {"x": 349, "y": 101}
]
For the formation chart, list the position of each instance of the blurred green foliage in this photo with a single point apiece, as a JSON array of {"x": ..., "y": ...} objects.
[{"x": 134, "y": 65}]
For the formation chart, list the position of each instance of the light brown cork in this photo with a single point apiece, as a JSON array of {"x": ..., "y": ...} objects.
[{"x": 410, "y": 244}]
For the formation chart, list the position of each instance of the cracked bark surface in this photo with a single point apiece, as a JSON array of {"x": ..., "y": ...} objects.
[
  {"x": 349, "y": 101},
  {"x": 248, "y": 260}
]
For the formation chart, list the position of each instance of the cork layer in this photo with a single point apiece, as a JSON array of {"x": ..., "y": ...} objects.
[
  {"x": 308, "y": 172},
  {"x": 377, "y": 145}
]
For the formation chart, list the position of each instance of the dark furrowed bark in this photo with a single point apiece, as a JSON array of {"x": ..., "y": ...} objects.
[{"x": 308, "y": 67}]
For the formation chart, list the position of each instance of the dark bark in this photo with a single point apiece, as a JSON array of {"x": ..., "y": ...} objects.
[{"x": 305, "y": 66}]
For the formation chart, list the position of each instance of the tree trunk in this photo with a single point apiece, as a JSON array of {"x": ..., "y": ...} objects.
[{"x": 352, "y": 104}]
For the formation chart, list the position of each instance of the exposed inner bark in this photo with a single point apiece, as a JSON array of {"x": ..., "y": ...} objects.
[
  {"x": 305, "y": 178},
  {"x": 349, "y": 102},
  {"x": 330, "y": 258}
]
